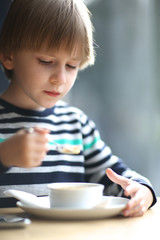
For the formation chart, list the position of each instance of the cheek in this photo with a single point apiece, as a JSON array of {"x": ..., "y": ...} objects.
[
  {"x": 71, "y": 80},
  {"x": 28, "y": 72},
  {"x": 26, "y": 78},
  {"x": 21, "y": 70},
  {"x": 73, "y": 77}
]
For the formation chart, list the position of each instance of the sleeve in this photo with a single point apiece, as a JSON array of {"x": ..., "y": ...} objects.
[{"x": 99, "y": 157}]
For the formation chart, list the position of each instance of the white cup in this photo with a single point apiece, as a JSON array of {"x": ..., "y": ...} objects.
[{"x": 75, "y": 195}]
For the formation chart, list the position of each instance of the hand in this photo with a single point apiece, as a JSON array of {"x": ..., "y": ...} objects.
[
  {"x": 141, "y": 196},
  {"x": 25, "y": 149}
]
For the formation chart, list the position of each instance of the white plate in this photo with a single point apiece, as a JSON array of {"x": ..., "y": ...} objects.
[{"x": 114, "y": 207}]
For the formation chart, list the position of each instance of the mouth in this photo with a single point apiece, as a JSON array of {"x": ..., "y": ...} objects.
[{"x": 52, "y": 93}]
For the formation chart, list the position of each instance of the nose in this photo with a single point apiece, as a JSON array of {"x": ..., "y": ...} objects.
[{"x": 58, "y": 76}]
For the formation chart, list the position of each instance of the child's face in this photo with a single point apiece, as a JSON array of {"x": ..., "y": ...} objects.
[{"x": 41, "y": 78}]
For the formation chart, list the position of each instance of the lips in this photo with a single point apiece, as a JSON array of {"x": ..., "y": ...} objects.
[{"x": 52, "y": 93}]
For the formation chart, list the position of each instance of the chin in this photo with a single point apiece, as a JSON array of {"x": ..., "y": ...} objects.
[{"x": 47, "y": 105}]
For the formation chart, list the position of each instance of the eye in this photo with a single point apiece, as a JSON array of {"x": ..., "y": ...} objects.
[
  {"x": 71, "y": 66},
  {"x": 45, "y": 62}
]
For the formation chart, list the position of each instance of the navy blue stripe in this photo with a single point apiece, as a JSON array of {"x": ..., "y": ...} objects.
[
  {"x": 7, "y": 130},
  {"x": 119, "y": 167},
  {"x": 85, "y": 124},
  {"x": 62, "y": 163},
  {"x": 3, "y": 111},
  {"x": 40, "y": 178},
  {"x": 95, "y": 153},
  {"x": 69, "y": 113},
  {"x": 89, "y": 133},
  {"x": 74, "y": 131},
  {"x": 7, "y": 202},
  {"x": 11, "y": 108},
  {"x": 35, "y": 120}
]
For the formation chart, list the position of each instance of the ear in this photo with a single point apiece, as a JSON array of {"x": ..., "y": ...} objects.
[{"x": 7, "y": 61}]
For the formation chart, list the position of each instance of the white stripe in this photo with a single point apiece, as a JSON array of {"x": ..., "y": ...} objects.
[
  {"x": 61, "y": 168},
  {"x": 10, "y": 115},
  {"x": 68, "y": 158},
  {"x": 51, "y": 126},
  {"x": 67, "y": 136}
]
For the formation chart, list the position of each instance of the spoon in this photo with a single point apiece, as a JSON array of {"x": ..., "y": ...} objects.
[
  {"x": 67, "y": 149},
  {"x": 27, "y": 198}
]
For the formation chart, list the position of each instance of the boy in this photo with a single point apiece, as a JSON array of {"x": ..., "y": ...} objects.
[{"x": 43, "y": 45}]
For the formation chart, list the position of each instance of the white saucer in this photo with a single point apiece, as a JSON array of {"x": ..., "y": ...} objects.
[{"x": 114, "y": 207}]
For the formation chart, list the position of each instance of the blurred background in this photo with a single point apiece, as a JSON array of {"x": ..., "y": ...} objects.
[{"x": 121, "y": 92}]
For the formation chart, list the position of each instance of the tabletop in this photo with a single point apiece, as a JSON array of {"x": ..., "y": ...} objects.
[{"x": 113, "y": 228}]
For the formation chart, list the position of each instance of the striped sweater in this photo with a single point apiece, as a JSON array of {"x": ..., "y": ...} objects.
[{"x": 69, "y": 125}]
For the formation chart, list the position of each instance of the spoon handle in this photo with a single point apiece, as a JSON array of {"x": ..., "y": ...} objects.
[{"x": 24, "y": 197}]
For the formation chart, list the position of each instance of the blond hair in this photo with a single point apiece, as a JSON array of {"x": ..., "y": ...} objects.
[{"x": 56, "y": 23}]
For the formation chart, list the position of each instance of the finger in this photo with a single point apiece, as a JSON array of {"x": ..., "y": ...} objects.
[
  {"x": 137, "y": 210},
  {"x": 37, "y": 137},
  {"x": 132, "y": 204},
  {"x": 41, "y": 145},
  {"x": 130, "y": 212},
  {"x": 35, "y": 155},
  {"x": 37, "y": 159},
  {"x": 138, "y": 213},
  {"x": 114, "y": 177},
  {"x": 131, "y": 189},
  {"x": 135, "y": 204},
  {"x": 42, "y": 130},
  {"x": 39, "y": 155},
  {"x": 31, "y": 130},
  {"x": 41, "y": 140},
  {"x": 36, "y": 162}
]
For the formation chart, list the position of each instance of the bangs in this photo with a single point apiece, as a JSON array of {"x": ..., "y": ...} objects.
[
  {"x": 61, "y": 28},
  {"x": 53, "y": 24},
  {"x": 69, "y": 35}
]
